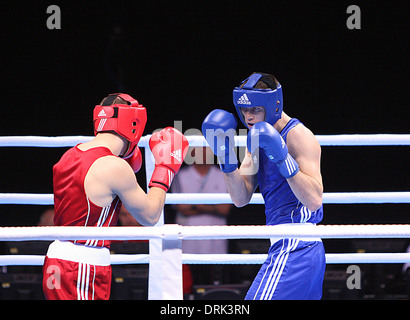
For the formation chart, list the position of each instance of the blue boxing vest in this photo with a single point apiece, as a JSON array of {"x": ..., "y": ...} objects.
[{"x": 281, "y": 205}]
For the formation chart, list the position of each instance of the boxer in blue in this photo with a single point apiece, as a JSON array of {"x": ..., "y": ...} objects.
[{"x": 283, "y": 158}]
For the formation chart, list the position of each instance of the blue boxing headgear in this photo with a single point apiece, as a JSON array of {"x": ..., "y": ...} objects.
[{"x": 248, "y": 96}]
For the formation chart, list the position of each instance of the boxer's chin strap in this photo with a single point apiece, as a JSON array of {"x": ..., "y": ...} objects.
[{"x": 130, "y": 155}]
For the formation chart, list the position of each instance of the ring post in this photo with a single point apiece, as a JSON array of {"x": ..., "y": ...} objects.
[{"x": 165, "y": 255}]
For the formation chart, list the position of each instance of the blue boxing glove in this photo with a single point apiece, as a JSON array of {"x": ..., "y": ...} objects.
[
  {"x": 219, "y": 129},
  {"x": 264, "y": 136}
]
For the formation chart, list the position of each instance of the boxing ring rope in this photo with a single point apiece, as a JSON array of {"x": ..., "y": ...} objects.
[
  {"x": 168, "y": 234},
  {"x": 187, "y": 258},
  {"x": 177, "y": 232},
  {"x": 219, "y": 198},
  {"x": 196, "y": 141}
]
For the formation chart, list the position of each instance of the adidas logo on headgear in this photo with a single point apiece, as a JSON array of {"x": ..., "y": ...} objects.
[
  {"x": 102, "y": 113},
  {"x": 243, "y": 99}
]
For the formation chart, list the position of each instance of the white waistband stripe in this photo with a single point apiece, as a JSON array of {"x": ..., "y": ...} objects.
[{"x": 66, "y": 250}]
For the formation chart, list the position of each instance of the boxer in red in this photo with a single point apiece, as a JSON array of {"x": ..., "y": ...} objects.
[{"x": 91, "y": 182}]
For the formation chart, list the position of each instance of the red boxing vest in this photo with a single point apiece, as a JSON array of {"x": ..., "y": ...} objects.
[{"x": 72, "y": 207}]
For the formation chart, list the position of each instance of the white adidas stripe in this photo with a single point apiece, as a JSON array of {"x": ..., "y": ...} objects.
[
  {"x": 309, "y": 214},
  {"x": 101, "y": 219},
  {"x": 170, "y": 176},
  {"x": 293, "y": 243},
  {"x": 275, "y": 276},
  {"x": 289, "y": 164},
  {"x": 86, "y": 281},
  {"x": 264, "y": 275},
  {"x": 80, "y": 269},
  {"x": 275, "y": 266},
  {"x": 305, "y": 214},
  {"x": 86, "y": 220},
  {"x": 103, "y": 215},
  {"x": 277, "y": 270},
  {"x": 93, "y": 285},
  {"x": 101, "y": 124},
  {"x": 83, "y": 281},
  {"x": 113, "y": 211}
]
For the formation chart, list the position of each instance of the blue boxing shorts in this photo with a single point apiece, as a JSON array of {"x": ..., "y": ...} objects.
[{"x": 294, "y": 270}]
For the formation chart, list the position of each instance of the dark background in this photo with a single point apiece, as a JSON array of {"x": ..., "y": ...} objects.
[{"x": 182, "y": 59}]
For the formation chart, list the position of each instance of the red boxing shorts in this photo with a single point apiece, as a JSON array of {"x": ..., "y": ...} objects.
[{"x": 76, "y": 272}]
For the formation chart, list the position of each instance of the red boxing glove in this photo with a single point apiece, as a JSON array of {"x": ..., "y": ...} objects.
[
  {"x": 135, "y": 160},
  {"x": 169, "y": 147}
]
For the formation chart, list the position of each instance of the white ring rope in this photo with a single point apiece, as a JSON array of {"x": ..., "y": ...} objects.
[
  {"x": 331, "y": 258},
  {"x": 218, "y": 198},
  {"x": 177, "y": 232},
  {"x": 196, "y": 141},
  {"x": 187, "y": 258}
]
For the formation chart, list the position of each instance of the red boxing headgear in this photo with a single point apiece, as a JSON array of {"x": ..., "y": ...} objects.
[{"x": 127, "y": 120}]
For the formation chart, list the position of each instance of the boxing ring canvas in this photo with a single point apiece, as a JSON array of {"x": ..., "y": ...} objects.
[{"x": 165, "y": 257}]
